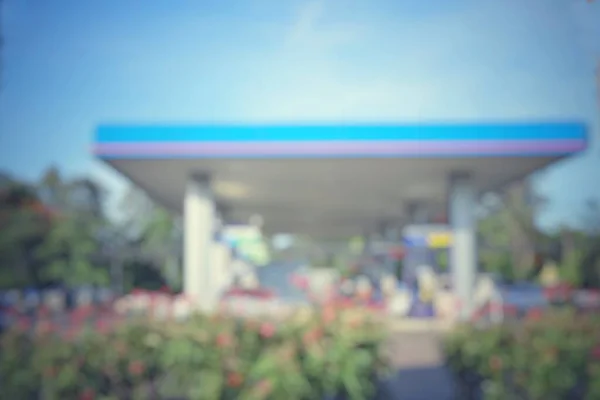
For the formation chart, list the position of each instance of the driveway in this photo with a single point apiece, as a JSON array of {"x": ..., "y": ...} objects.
[{"x": 420, "y": 371}]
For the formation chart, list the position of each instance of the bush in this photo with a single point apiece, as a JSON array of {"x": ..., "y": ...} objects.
[
  {"x": 306, "y": 357},
  {"x": 551, "y": 355}
]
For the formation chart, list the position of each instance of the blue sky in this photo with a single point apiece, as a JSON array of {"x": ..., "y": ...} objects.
[{"x": 70, "y": 65}]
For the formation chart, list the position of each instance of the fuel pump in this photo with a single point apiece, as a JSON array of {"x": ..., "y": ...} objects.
[{"x": 426, "y": 250}]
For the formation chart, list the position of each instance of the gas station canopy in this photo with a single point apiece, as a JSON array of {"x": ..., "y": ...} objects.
[{"x": 329, "y": 180}]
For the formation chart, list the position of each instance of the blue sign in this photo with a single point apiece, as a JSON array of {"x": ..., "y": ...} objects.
[{"x": 415, "y": 241}]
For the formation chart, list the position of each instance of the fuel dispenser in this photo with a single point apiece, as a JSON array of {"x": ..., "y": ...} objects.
[{"x": 426, "y": 255}]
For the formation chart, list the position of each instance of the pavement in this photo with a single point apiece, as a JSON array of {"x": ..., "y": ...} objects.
[
  {"x": 406, "y": 325},
  {"x": 421, "y": 375}
]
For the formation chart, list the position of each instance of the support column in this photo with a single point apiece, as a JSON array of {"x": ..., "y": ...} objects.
[
  {"x": 199, "y": 221},
  {"x": 463, "y": 254},
  {"x": 221, "y": 268},
  {"x": 392, "y": 237},
  {"x": 221, "y": 258}
]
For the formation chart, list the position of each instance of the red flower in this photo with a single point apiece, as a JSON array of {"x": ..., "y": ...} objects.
[
  {"x": 87, "y": 394},
  {"x": 596, "y": 353},
  {"x": 329, "y": 314},
  {"x": 102, "y": 326},
  {"x": 217, "y": 317},
  {"x": 136, "y": 368},
  {"x": 44, "y": 328},
  {"x": 71, "y": 334},
  {"x": 251, "y": 324},
  {"x": 50, "y": 372},
  {"x": 263, "y": 388},
  {"x": 23, "y": 324},
  {"x": 510, "y": 310},
  {"x": 356, "y": 322},
  {"x": 346, "y": 303},
  {"x": 43, "y": 311},
  {"x": 234, "y": 379},
  {"x": 267, "y": 330},
  {"x": 552, "y": 353},
  {"x": 535, "y": 314},
  {"x": 495, "y": 363},
  {"x": 121, "y": 348},
  {"x": 312, "y": 336},
  {"x": 365, "y": 295},
  {"x": 223, "y": 340}
]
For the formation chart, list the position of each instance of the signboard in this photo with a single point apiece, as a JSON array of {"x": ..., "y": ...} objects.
[
  {"x": 248, "y": 242},
  {"x": 430, "y": 236},
  {"x": 439, "y": 240}
]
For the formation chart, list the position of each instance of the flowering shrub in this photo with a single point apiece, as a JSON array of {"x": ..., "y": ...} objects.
[
  {"x": 306, "y": 357},
  {"x": 551, "y": 355}
]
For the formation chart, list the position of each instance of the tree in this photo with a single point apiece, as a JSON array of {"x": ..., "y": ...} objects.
[
  {"x": 50, "y": 231},
  {"x": 580, "y": 250},
  {"x": 25, "y": 224},
  {"x": 512, "y": 246},
  {"x": 73, "y": 247},
  {"x": 510, "y": 239},
  {"x": 155, "y": 236}
]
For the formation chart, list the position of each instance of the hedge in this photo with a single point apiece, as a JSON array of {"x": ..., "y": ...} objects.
[
  {"x": 329, "y": 354},
  {"x": 553, "y": 354}
]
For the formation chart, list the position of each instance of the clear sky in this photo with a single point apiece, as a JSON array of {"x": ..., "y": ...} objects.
[{"x": 72, "y": 64}]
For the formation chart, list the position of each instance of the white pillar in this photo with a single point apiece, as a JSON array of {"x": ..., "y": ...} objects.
[
  {"x": 463, "y": 254},
  {"x": 221, "y": 268},
  {"x": 219, "y": 261},
  {"x": 392, "y": 235},
  {"x": 199, "y": 215},
  {"x": 223, "y": 253}
]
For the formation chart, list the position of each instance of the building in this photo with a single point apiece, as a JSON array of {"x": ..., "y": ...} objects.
[{"x": 330, "y": 180}]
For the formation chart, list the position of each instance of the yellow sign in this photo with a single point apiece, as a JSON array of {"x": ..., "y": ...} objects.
[
  {"x": 439, "y": 240},
  {"x": 550, "y": 275}
]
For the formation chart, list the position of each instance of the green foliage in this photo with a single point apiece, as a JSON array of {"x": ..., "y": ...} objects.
[
  {"x": 155, "y": 239},
  {"x": 205, "y": 358},
  {"x": 400, "y": 269},
  {"x": 49, "y": 232},
  {"x": 140, "y": 274},
  {"x": 508, "y": 235},
  {"x": 56, "y": 232},
  {"x": 24, "y": 226},
  {"x": 498, "y": 263},
  {"x": 510, "y": 241},
  {"x": 571, "y": 270},
  {"x": 581, "y": 257},
  {"x": 555, "y": 355},
  {"x": 442, "y": 259}
]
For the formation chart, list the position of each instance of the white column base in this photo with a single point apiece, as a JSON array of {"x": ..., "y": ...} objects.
[
  {"x": 463, "y": 254},
  {"x": 221, "y": 268},
  {"x": 199, "y": 216}
]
